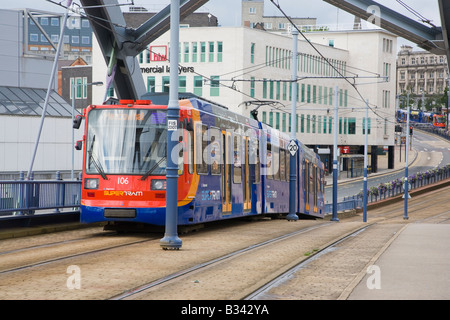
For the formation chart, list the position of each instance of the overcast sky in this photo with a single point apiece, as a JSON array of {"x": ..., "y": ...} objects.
[{"x": 229, "y": 11}]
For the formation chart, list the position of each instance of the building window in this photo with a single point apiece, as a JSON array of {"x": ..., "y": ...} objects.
[
  {"x": 54, "y": 22},
  {"x": 182, "y": 84},
  {"x": 271, "y": 90},
  {"x": 55, "y": 38},
  {"x": 331, "y": 43},
  {"x": 214, "y": 86},
  {"x": 198, "y": 85},
  {"x": 194, "y": 51},
  {"x": 282, "y": 26},
  {"x": 85, "y": 23},
  {"x": 151, "y": 84},
  {"x": 211, "y": 51},
  {"x": 85, "y": 40},
  {"x": 364, "y": 126},
  {"x": 43, "y": 38},
  {"x": 302, "y": 123},
  {"x": 351, "y": 125},
  {"x": 252, "y": 87},
  {"x": 219, "y": 51},
  {"x": 165, "y": 84},
  {"x": 34, "y": 37},
  {"x": 278, "y": 90},
  {"x": 252, "y": 53},
  {"x": 277, "y": 125},
  {"x": 66, "y": 39},
  {"x": 80, "y": 85},
  {"x": 186, "y": 52},
  {"x": 44, "y": 21},
  {"x": 202, "y": 51},
  {"x": 75, "y": 39},
  {"x": 252, "y": 10},
  {"x": 264, "y": 88}
]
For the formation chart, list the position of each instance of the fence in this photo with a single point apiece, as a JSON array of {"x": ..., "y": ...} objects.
[
  {"x": 392, "y": 189},
  {"x": 25, "y": 197}
]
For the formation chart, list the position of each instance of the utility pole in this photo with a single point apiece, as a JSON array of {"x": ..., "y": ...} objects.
[
  {"x": 405, "y": 216},
  {"x": 293, "y": 148},
  {"x": 335, "y": 162},
  {"x": 171, "y": 240},
  {"x": 366, "y": 135}
]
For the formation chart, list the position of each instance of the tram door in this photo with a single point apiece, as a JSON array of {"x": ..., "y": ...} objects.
[
  {"x": 306, "y": 184},
  {"x": 246, "y": 184},
  {"x": 226, "y": 173}
]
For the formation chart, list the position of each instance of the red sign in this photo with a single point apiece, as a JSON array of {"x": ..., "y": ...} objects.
[
  {"x": 158, "y": 53},
  {"x": 344, "y": 149}
]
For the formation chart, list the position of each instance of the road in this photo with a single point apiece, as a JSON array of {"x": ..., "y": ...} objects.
[{"x": 429, "y": 152}]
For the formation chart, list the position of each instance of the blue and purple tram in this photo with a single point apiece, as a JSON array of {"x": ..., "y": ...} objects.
[{"x": 229, "y": 165}]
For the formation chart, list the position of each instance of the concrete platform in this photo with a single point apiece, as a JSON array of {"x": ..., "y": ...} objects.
[{"x": 416, "y": 266}]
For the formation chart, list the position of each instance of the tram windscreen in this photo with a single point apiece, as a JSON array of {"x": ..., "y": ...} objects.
[
  {"x": 126, "y": 141},
  {"x": 440, "y": 119}
]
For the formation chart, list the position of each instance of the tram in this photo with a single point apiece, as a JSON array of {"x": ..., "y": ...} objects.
[
  {"x": 229, "y": 165},
  {"x": 434, "y": 119}
]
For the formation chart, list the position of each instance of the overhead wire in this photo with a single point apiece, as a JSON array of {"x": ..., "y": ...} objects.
[{"x": 326, "y": 60}]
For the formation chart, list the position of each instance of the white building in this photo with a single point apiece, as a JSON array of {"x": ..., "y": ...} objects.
[{"x": 236, "y": 65}]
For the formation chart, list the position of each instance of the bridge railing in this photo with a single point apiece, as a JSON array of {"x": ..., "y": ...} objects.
[
  {"x": 391, "y": 189},
  {"x": 27, "y": 197}
]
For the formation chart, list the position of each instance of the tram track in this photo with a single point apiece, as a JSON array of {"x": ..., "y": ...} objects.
[
  {"x": 26, "y": 257},
  {"x": 186, "y": 272}
]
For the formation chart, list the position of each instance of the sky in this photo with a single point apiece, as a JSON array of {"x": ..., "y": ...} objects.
[{"x": 228, "y": 12}]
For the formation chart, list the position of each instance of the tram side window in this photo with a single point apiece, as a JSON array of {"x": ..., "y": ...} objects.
[
  {"x": 305, "y": 175},
  {"x": 254, "y": 159},
  {"x": 215, "y": 151},
  {"x": 181, "y": 150},
  {"x": 190, "y": 149},
  {"x": 282, "y": 165},
  {"x": 276, "y": 160},
  {"x": 269, "y": 159},
  {"x": 201, "y": 145},
  {"x": 288, "y": 165},
  {"x": 237, "y": 167}
]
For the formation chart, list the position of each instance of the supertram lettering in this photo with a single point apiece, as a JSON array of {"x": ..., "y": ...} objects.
[{"x": 123, "y": 193}]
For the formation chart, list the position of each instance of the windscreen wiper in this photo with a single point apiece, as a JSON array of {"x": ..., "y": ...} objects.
[
  {"x": 152, "y": 168},
  {"x": 97, "y": 165}
]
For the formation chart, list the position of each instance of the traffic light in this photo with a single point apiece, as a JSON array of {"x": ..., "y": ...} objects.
[{"x": 410, "y": 130}]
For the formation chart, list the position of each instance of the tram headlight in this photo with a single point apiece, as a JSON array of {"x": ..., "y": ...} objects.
[
  {"x": 91, "y": 183},
  {"x": 158, "y": 184}
]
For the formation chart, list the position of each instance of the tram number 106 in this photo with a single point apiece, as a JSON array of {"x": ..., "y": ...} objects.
[{"x": 122, "y": 180}]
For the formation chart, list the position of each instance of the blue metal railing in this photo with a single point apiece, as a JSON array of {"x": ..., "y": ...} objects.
[
  {"x": 391, "y": 189},
  {"x": 25, "y": 197}
]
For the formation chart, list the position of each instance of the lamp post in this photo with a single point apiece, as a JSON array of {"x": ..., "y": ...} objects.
[{"x": 72, "y": 90}]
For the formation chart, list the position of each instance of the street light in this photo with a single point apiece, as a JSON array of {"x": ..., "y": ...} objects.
[{"x": 72, "y": 89}]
